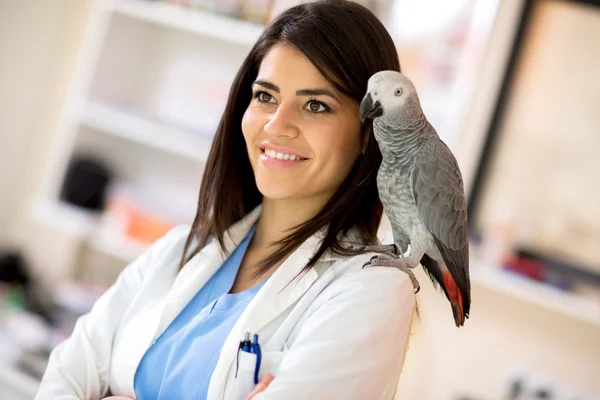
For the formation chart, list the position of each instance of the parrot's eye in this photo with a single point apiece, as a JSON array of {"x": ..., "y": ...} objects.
[{"x": 398, "y": 92}]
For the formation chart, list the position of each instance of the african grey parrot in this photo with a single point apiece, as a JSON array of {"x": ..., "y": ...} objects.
[{"x": 421, "y": 189}]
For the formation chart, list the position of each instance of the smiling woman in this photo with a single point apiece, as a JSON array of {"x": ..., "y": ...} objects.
[
  {"x": 295, "y": 112},
  {"x": 289, "y": 187}
]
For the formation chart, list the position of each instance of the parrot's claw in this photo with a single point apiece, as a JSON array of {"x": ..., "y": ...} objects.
[
  {"x": 407, "y": 252},
  {"x": 378, "y": 259},
  {"x": 401, "y": 263},
  {"x": 383, "y": 248}
]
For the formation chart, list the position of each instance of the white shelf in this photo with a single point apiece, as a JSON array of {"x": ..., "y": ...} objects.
[
  {"x": 139, "y": 129},
  {"x": 74, "y": 221},
  {"x": 84, "y": 225},
  {"x": 536, "y": 293},
  {"x": 196, "y": 21},
  {"x": 121, "y": 249}
]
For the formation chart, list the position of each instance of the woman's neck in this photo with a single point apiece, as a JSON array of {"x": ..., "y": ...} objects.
[{"x": 279, "y": 216}]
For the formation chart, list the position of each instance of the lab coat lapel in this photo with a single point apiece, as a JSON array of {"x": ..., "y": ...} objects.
[
  {"x": 278, "y": 293},
  {"x": 194, "y": 275},
  {"x": 282, "y": 290}
]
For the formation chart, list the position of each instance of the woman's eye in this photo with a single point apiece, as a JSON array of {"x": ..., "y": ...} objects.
[
  {"x": 317, "y": 107},
  {"x": 264, "y": 97}
]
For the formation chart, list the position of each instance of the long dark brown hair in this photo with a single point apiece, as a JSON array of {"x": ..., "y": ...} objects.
[{"x": 347, "y": 44}]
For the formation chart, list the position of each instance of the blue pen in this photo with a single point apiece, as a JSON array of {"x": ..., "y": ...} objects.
[{"x": 255, "y": 348}]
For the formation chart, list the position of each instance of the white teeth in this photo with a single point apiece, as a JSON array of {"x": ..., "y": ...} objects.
[{"x": 280, "y": 156}]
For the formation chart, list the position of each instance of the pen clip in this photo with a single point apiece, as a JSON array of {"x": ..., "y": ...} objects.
[
  {"x": 256, "y": 350},
  {"x": 237, "y": 358}
]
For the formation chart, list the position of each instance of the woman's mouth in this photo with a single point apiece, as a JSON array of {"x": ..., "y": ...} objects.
[{"x": 274, "y": 159}]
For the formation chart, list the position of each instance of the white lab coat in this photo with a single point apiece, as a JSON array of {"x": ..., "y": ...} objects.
[{"x": 336, "y": 332}]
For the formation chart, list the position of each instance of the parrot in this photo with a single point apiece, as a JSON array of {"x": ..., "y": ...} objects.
[{"x": 421, "y": 189}]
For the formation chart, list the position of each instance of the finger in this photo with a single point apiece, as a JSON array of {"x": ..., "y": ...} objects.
[
  {"x": 261, "y": 386},
  {"x": 117, "y": 398}
]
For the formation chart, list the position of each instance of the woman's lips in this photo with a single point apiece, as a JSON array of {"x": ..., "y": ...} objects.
[{"x": 277, "y": 163}]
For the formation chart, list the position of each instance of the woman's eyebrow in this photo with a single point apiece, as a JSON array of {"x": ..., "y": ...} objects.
[
  {"x": 302, "y": 92},
  {"x": 316, "y": 92},
  {"x": 266, "y": 84}
]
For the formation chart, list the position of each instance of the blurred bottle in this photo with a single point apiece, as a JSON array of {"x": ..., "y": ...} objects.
[
  {"x": 186, "y": 3},
  {"x": 257, "y": 10},
  {"x": 281, "y": 5},
  {"x": 231, "y": 8},
  {"x": 499, "y": 236}
]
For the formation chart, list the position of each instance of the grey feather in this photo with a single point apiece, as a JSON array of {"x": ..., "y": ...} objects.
[{"x": 439, "y": 193}]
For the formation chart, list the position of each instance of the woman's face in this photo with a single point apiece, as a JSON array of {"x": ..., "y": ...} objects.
[{"x": 302, "y": 135}]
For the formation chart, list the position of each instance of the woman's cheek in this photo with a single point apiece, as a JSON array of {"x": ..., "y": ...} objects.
[
  {"x": 344, "y": 150},
  {"x": 252, "y": 119},
  {"x": 246, "y": 122}
]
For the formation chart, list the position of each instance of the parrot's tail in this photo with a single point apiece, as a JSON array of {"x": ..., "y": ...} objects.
[
  {"x": 448, "y": 285},
  {"x": 455, "y": 297},
  {"x": 433, "y": 270}
]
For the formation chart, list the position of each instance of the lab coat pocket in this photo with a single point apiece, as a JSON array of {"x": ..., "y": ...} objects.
[
  {"x": 244, "y": 379},
  {"x": 270, "y": 363}
]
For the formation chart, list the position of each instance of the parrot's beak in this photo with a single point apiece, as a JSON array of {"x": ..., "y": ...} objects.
[{"x": 370, "y": 109}]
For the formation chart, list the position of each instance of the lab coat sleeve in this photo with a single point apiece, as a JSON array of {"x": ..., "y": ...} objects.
[
  {"x": 79, "y": 366},
  {"x": 352, "y": 346}
]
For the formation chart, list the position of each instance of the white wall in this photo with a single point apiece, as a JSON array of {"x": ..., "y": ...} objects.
[{"x": 38, "y": 43}]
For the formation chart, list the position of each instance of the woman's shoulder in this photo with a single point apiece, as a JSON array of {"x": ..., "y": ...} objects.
[
  {"x": 173, "y": 240},
  {"x": 354, "y": 275},
  {"x": 356, "y": 268},
  {"x": 376, "y": 296},
  {"x": 166, "y": 250}
]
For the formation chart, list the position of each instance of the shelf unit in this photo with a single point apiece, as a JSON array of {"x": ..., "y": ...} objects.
[
  {"x": 542, "y": 295},
  {"x": 198, "y": 22},
  {"x": 116, "y": 110},
  {"x": 123, "y": 250},
  {"x": 145, "y": 131}
]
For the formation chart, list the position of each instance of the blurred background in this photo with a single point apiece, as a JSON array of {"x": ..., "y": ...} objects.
[{"x": 107, "y": 111}]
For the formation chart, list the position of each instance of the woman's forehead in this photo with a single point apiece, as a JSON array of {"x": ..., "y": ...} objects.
[{"x": 286, "y": 66}]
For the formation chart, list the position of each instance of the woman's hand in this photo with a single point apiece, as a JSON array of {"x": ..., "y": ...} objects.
[
  {"x": 260, "y": 386},
  {"x": 118, "y": 398}
]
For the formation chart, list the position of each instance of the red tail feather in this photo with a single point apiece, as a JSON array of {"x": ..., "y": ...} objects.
[{"x": 455, "y": 297}]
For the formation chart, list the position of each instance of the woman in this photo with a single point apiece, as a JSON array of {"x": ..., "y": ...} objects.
[{"x": 289, "y": 185}]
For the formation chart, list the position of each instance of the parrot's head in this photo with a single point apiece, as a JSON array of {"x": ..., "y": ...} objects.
[{"x": 391, "y": 98}]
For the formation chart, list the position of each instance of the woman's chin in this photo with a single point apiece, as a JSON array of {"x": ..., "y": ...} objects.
[
  {"x": 273, "y": 192},
  {"x": 276, "y": 196}
]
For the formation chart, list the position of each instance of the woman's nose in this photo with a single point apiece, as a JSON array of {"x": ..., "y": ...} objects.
[{"x": 283, "y": 122}]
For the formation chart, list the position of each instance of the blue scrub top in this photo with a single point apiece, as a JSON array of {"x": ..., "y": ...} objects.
[{"x": 180, "y": 363}]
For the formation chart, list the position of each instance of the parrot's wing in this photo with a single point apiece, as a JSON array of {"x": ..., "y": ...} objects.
[{"x": 440, "y": 197}]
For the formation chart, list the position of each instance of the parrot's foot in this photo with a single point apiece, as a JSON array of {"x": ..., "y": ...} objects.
[
  {"x": 380, "y": 258},
  {"x": 402, "y": 264},
  {"x": 391, "y": 249}
]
